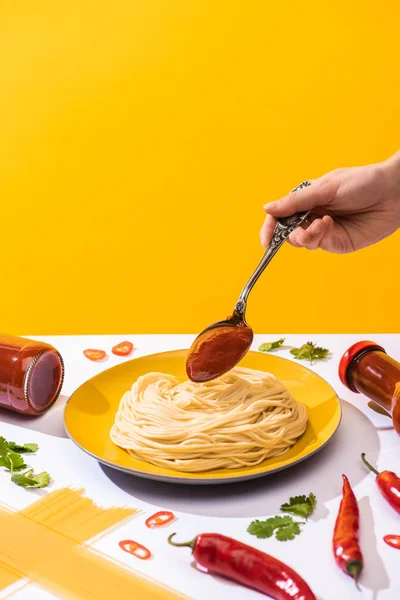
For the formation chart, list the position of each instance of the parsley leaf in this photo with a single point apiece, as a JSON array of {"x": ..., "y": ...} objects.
[
  {"x": 29, "y": 479},
  {"x": 21, "y": 449},
  {"x": 302, "y": 506},
  {"x": 268, "y": 346},
  {"x": 283, "y": 526},
  {"x": 310, "y": 351}
]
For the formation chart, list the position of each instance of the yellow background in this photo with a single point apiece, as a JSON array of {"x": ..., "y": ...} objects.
[{"x": 139, "y": 141}]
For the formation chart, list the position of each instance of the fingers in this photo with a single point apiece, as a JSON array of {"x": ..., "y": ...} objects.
[
  {"x": 267, "y": 230},
  {"x": 317, "y": 235},
  {"x": 328, "y": 241},
  {"x": 319, "y": 193},
  {"x": 320, "y": 231}
]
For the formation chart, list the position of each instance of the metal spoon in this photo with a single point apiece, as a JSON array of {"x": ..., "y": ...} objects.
[{"x": 220, "y": 346}]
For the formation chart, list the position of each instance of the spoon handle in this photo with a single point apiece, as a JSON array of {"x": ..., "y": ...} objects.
[{"x": 283, "y": 228}]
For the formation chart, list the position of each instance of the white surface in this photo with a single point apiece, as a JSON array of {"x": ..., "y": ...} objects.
[{"x": 229, "y": 508}]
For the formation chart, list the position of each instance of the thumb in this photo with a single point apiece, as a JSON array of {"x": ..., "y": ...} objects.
[{"x": 319, "y": 193}]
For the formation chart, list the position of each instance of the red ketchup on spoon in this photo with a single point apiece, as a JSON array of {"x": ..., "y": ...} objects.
[{"x": 218, "y": 349}]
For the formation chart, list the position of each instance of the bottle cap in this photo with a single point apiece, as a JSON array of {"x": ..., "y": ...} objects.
[{"x": 351, "y": 354}]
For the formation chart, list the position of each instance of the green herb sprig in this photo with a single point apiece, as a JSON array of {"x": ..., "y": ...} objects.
[
  {"x": 302, "y": 506},
  {"x": 284, "y": 526},
  {"x": 268, "y": 346},
  {"x": 11, "y": 459},
  {"x": 30, "y": 479},
  {"x": 310, "y": 351}
]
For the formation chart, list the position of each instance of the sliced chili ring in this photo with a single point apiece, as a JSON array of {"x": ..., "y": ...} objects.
[
  {"x": 122, "y": 349},
  {"x": 159, "y": 519},
  {"x": 135, "y": 549},
  {"x": 393, "y": 541},
  {"x": 95, "y": 355}
]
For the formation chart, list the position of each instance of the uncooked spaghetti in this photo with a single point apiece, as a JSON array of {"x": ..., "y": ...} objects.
[{"x": 237, "y": 420}]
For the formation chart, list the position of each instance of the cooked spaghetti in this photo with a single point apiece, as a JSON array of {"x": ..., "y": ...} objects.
[{"x": 237, "y": 420}]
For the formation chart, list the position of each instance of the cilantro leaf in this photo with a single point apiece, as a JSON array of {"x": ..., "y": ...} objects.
[
  {"x": 21, "y": 479},
  {"x": 310, "y": 351},
  {"x": 261, "y": 529},
  {"x": 25, "y": 448},
  {"x": 268, "y": 346},
  {"x": 288, "y": 532},
  {"x": 16, "y": 462},
  {"x": 9, "y": 459},
  {"x": 29, "y": 479},
  {"x": 3, "y": 446},
  {"x": 283, "y": 526},
  {"x": 42, "y": 479},
  {"x": 302, "y": 506}
]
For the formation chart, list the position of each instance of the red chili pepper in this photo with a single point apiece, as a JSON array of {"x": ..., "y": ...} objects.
[
  {"x": 95, "y": 355},
  {"x": 388, "y": 484},
  {"x": 248, "y": 566},
  {"x": 161, "y": 518},
  {"x": 123, "y": 349},
  {"x": 346, "y": 547},
  {"x": 136, "y": 549},
  {"x": 393, "y": 541}
]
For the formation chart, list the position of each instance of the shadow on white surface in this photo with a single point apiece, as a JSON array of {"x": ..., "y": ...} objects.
[
  {"x": 51, "y": 423},
  {"x": 320, "y": 474},
  {"x": 374, "y": 575}
]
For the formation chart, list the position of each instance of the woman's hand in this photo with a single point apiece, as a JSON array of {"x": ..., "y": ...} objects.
[{"x": 350, "y": 208}]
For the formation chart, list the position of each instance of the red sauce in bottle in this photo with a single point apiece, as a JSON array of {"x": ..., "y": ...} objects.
[
  {"x": 217, "y": 350},
  {"x": 365, "y": 367},
  {"x": 31, "y": 375}
]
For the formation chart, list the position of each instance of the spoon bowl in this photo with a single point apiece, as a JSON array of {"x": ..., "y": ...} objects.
[{"x": 218, "y": 348}]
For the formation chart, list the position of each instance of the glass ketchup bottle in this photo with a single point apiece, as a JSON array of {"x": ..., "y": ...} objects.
[
  {"x": 31, "y": 375},
  {"x": 366, "y": 368}
]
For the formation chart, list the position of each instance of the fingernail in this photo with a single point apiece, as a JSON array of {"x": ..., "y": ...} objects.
[{"x": 271, "y": 205}]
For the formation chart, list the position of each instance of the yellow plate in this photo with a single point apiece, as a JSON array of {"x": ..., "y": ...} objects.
[{"x": 90, "y": 412}]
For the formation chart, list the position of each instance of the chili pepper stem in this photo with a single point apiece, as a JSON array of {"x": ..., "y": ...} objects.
[
  {"x": 354, "y": 569},
  {"x": 366, "y": 463},
  {"x": 190, "y": 544}
]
